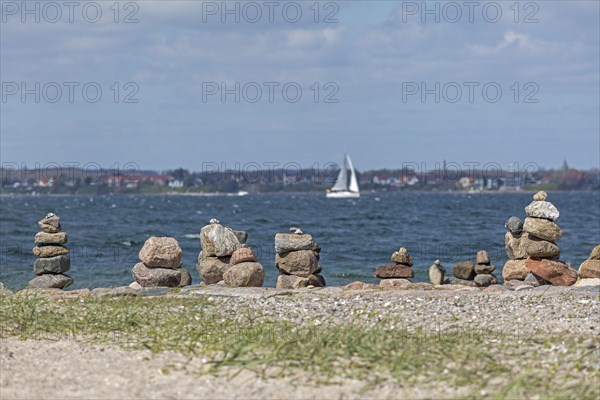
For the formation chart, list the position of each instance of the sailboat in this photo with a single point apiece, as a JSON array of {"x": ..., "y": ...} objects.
[{"x": 341, "y": 189}]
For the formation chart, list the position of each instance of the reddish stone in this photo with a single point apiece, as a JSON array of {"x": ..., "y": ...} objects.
[
  {"x": 394, "y": 271},
  {"x": 556, "y": 272}
]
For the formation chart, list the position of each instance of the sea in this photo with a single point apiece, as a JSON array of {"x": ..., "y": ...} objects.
[{"x": 356, "y": 235}]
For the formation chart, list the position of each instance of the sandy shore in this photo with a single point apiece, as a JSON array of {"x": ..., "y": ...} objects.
[{"x": 553, "y": 333}]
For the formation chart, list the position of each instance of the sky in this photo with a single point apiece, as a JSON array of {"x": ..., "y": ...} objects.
[{"x": 168, "y": 84}]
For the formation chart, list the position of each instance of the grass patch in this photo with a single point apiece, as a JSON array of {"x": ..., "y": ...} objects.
[{"x": 548, "y": 366}]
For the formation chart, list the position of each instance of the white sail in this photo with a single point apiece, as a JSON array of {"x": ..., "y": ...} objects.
[
  {"x": 341, "y": 184},
  {"x": 353, "y": 182}
]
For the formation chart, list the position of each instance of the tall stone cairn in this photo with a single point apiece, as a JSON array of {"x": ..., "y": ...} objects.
[
  {"x": 52, "y": 260},
  {"x": 297, "y": 259},
  {"x": 532, "y": 249}
]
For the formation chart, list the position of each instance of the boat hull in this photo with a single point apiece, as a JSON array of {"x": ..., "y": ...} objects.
[{"x": 343, "y": 195}]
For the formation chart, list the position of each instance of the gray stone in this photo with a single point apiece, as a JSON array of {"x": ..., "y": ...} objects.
[
  {"x": 42, "y": 238},
  {"x": 394, "y": 271},
  {"x": 186, "y": 278},
  {"x": 483, "y": 280},
  {"x": 135, "y": 286},
  {"x": 464, "y": 270},
  {"x": 540, "y": 196},
  {"x": 123, "y": 291},
  {"x": 512, "y": 243},
  {"x": 211, "y": 269},
  {"x": 402, "y": 257},
  {"x": 161, "y": 252},
  {"x": 484, "y": 268},
  {"x": 242, "y": 236},
  {"x": 316, "y": 280},
  {"x": 482, "y": 257},
  {"x": 538, "y": 248},
  {"x": 291, "y": 282},
  {"x": 595, "y": 255},
  {"x": 246, "y": 274},
  {"x": 287, "y": 242},
  {"x": 514, "y": 225},
  {"x": 590, "y": 269},
  {"x": 150, "y": 277},
  {"x": 50, "y": 281},
  {"x": 523, "y": 287},
  {"x": 464, "y": 282},
  {"x": 542, "y": 228},
  {"x": 301, "y": 263},
  {"x": 50, "y": 224},
  {"x": 394, "y": 282},
  {"x": 514, "y": 270},
  {"x": 218, "y": 241},
  {"x": 49, "y": 251},
  {"x": 542, "y": 209},
  {"x": 534, "y": 280},
  {"x": 436, "y": 273},
  {"x": 52, "y": 265}
]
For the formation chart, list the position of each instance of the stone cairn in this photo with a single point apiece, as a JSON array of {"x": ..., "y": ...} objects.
[
  {"x": 590, "y": 268},
  {"x": 52, "y": 260},
  {"x": 226, "y": 258},
  {"x": 297, "y": 259},
  {"x": 401, "y": 269},
  {"x": 478, "y": 273},
  {"x": 531, "y": 247},
  {"x": 161, "y": 264}
]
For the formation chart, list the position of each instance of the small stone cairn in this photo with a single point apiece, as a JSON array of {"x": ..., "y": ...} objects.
[
  {"x": 590, "y": 268},
  {"x": 531, "y": 247},
  {"x": 437, "y": 273},
  {"x": 401, "y": 269},
  {"x": 297, "y": 259},
  {"x": 478, "y": 273},
  {"x": 161, "y": 264},
  {"x": 52, "y": 260},
  {"x": 225, "y": 258}
]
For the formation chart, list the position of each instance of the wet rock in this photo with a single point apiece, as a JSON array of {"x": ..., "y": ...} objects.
[
  {"x": 48, "y": 281},
  {"x": 402, "y": 257},
  {"x": 436, "y": 273},
  {"x": 161, "y": 252},
  {"x": 52, "y": 265},
  {"x": 483, "y": 280},
  {"x": 218, "y": 241},
  {"x": 316, "y": 280},
  {"x": 150, "y": 277},
  {"x": 543, "y": 229},
  {"x": 246, "y": 274},
  {"x": 245, "y": 254},
  {"x": 49, "y": 251},
  {"x": 394, "y": 271},
  {"x": 211, "y": 269},
  {"x": 556, "y": 272},
  {"x": 515, "y": 269},
  {"x": 50, "y": 224},
  {"x": 287, "y": 242},
  {"x": 464, "y": 270},
  {"x": 538, "y": 248},
  {"x": 42, "y": 238},
  {"x": 534, "y": 280},
  {"x": 540, "y": 196},
  {"x": 542, "y": 209},
  {"x": 291, "y": 282},
  {"x": 186, "y": 278},
  {"x": 514, "y": 225},
  {"x": 590, "y": 269},
  {"x": 301, "y": 262},
  {"x": 484, "y": 269},
  {"x": 482, "y": 257}
]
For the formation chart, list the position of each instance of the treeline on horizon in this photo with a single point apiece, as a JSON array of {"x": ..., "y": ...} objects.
[{"x": 97, "y": 181}]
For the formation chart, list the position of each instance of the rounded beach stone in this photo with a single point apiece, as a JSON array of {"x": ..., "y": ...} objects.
[
  {"x": 151, "y": 277},
  {"x": 595, "y": 255},
  {"x": 590, "y": 269},
  {"x": 436, "y": 273},
  {"x": 316, "y": 280},
  {"x": 540, "y": 196},
  {"x": 464, "y": 282},
  {"x": 542, "y": 209},
  {"x": 301, "y": 263},
  {"x": 484, "y": 268},
  {"x": 534, "y": 280},
  {"x": 291, "y": 282},
  {"x": 211, "y": 269},
  {"x": 482, "y": 257},
  {"x": 394, "y": 271},
  {"x": 49, "y": 251},
  {"x": 483, "y": 280},
  {"x": 50, "y": 224},
  {"x": 402, "y": 257},
  {"x": 218, "y": 241},
  {"x": 186, "y": 278},
  {"x": 538, "y": 248},
  {"x": 244, "y": 254},
  {"x": 161, "y": 252},
  {"x": 464, "y": 270},
  {"x": 394, "y": 282},
  {"x": 42, "y": 238},
  {"x": 51, "y": 281},
  {"x": 556, "y": 272},
  {"x": 514, "y": 270},
  {"x": 542, "y": 228},
  {"x": 246, "y": 274},
  {"x": 52, "y": 265},
  {"x": 514, "y": 225},
  {"x": 287, "y": 242}
]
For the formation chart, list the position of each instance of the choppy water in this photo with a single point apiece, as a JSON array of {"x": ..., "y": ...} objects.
[{"x": 106, "y": 232}]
